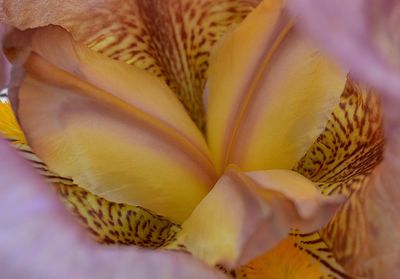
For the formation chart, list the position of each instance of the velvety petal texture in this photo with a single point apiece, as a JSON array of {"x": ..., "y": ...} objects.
[
  {"x": 107, "y": 222},
  {"x": 39, "y": 239},
  {"x": 363, "y": 35},
  {"x": 175, "y": 46},
  {"x": 289, "y": 260},
  {"x": 71, "y": 119},
  {"x": 270, "y": 92},
  {"x": 246, "y": 214},
  {"x": 4, "y": 65}
]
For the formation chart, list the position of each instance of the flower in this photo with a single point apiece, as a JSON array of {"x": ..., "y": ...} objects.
[
  {"x": 366, "y": 40},
  {"x": 282, "y": 130}
]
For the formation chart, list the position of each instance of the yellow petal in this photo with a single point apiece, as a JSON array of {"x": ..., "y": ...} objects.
[
  {"x": 9, "y": 127},
  {"x": 351, "y": 145},
  {"x": 270, "y": 92},
  {"x": 112, "y": 146},
  {"x": 108, "y": 222},
  {"x": 246, "y": 214},
  {"x": 171, "y": 39},
  {"x": 364, "y": 233},
  {"x": 293, "y": 258},
  {"x": 341, "y": 161}
]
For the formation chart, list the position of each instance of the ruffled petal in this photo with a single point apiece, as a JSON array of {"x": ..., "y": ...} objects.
[
  {"x": 40, "y": 240},
  {"x": 121, "y": 148},
  {"x": 171, "y": 39},
  {"x": 246, "y": 214},
  {"x": 270, "y": 92}
]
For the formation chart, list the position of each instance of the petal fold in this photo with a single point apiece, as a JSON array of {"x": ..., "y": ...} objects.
[
  {"x": 175, "y": 47},
  {"x": 362, "y": 35},
  {"x": 295, "y": 257},
  {"x": 270, "y": 92},
  {"x": 39, "y": 239},
  {"x": 117, "y": 138},
  {"x": 365, "y": 39},
  {"x": 350, "y": 147},
  {"x": 246, "y": 214}
]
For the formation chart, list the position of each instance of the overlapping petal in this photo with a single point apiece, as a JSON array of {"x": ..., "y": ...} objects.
[
  {"x": 270, "y": 92},
  {"x": 106, "y": 221},
  {"x": 4, "y": 65},
  {"x": 40, "y": 240},
  {"x": 363, "y": 36},
  {"x": 77, "y": 126},
  {"x": 246, "y": 214},
  {"x": 289, "y": 260},
  {"x": 171, "y": 39}
]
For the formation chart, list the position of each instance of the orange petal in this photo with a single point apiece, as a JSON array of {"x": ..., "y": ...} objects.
[
  {"x": 270, "y": 92},
  {"x": 108, "y": 222},
  {"x": 246, "y": 214},
  {"x": 39, "y": 239},
  {"x": 292, "y": 259}
]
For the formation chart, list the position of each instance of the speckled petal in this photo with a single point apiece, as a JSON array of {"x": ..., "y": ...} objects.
[
  {"x": 341, "y": 161},
  {"x": 108, "y": 222},
  {"x": 366, "y": 40},
  {"x": 350, "y": 147},
  {"x": 171, "y": 39},
  {"x": 39, "y": 239},
  {"x": 78, "y": 118},
  {"x": 291, "y": 260}
]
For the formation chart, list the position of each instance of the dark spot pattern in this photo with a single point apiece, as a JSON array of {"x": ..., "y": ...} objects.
[
  {"x": 108, "y": 222},
  {"x": 169, "y": 38},
  {"x": 351, "y": 145},
  {"x": 340, "y": 162}
]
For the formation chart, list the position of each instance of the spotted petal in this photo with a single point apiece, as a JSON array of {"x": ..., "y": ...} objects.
[
  {"x": 270, "y": 92},
  {"x": 77, "y": 126},
  {"x": 246, "y": 214},
  {"x": 171, "y": 39},
  {"x": 39, "y": 239},
  {"x": 365, "y": 39},
  {"x": 290, "y": 260}
]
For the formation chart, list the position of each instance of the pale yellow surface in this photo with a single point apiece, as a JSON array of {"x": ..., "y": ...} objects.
[
  {"x": 109, "y": 147},
  {"x": 246, "y": 214},
  {"x": 270, "y": 93},
  {"x": 130, "y": 84}
]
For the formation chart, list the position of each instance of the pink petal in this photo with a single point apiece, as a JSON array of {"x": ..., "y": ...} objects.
[
  {"x": 360, "y": 33},
  {"x": 4, "y": 65},
  {"x": 39, "y": 239},
  {"x": 363, "y": 35}
]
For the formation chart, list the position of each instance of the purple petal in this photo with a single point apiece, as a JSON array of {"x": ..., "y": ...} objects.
[
  {"x": 364, "y": 36},
  {"x": 359, "y": 33},
  {"x": 39, "y": 239}
]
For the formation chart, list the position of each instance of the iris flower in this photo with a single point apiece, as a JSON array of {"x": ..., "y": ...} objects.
[{"x": 208, "y": 130}]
